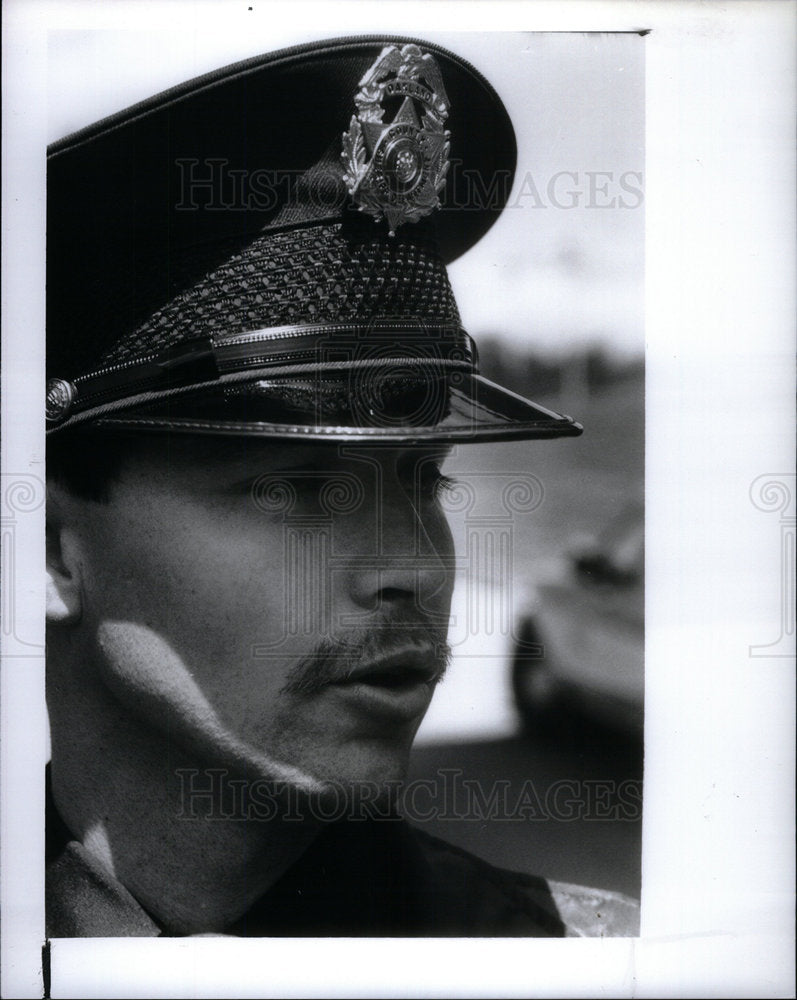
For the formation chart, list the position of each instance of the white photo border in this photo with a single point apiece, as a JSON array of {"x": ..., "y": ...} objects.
[{"x": 718, "y": 871}]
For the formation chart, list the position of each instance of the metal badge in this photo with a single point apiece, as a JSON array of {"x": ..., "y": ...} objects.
[
  {"x": 396, "y": 169},
  {"x": 60, "y": 397}
]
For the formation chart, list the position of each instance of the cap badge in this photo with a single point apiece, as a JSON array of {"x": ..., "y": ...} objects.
[{"x": 395, "y": 161}]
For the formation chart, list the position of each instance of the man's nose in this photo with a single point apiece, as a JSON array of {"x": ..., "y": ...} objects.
[{"x": 400, "y": 556}]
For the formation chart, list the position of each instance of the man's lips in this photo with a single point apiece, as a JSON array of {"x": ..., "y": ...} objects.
[
  {"x": 396, "y": 687},
  {"x": 372, "y": 657},
  {"x": 403, "y": 668}
]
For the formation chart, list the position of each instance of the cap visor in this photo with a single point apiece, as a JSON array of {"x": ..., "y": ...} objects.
[{"x": 456, "y": 407}]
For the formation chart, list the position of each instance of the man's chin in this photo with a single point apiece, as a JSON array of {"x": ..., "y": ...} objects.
[
  {"x": 343, "y": 774},
  {"x": 355, "y": 800},
  {"x": 349, "y": 784},
  {"x": 321, "y": 800},
  {"x": 334, "y": 753},
  {"x": 355, "y": 771}
]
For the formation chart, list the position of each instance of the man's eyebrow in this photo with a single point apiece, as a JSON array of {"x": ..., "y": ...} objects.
[
  {"x": 240, "y": 455},
  {"x": 430, "y": 454},
  {"x": 287, "y": 469},
  {"x": 241, "y": 477}
]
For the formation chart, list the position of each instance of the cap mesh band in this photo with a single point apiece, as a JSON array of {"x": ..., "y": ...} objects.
[{"x": 341, "y": 272}]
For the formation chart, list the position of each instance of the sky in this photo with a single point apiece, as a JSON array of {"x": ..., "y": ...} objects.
[{"x": 564, "y": 264}]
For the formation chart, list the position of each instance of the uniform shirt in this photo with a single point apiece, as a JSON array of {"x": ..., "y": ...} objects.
[{"x": 358, "y": 879}]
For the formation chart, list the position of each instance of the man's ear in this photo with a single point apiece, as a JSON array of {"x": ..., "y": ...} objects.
[{"x": 64, "y": 583}]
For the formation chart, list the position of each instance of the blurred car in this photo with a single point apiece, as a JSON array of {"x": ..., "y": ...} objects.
[{"x": 580, "y": 645}]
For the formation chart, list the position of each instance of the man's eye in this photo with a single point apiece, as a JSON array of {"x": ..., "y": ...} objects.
[
  {"x": 445, "y": 484},
  {"x": 434, "y": 484}
]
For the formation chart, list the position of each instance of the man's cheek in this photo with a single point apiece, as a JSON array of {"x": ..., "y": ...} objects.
[
  {"x": 160, "y": 695},
  {"x": 142, "y": 671}
]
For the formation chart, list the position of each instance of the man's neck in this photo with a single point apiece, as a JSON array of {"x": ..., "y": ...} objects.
[{"x": 180, "y": 835}]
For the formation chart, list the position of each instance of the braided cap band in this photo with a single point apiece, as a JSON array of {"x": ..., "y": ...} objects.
[{"x": 341, "y": 272}]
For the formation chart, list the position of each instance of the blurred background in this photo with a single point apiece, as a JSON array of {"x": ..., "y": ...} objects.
[
  {"x": 542, "y": 705},
  {"x": 531, "y": 754}
]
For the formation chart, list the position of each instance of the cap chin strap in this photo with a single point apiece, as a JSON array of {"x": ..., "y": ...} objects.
[{"x": 204, "y": 362}]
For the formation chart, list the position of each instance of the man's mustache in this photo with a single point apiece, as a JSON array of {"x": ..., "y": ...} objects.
[{"x": 333, "y": 661}]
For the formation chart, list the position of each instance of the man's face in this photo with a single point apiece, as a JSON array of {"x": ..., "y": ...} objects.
[{"x": 280, "y": 609}]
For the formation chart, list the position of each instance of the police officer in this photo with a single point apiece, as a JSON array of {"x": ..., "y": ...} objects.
[{"x": 256, "y": 369}]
